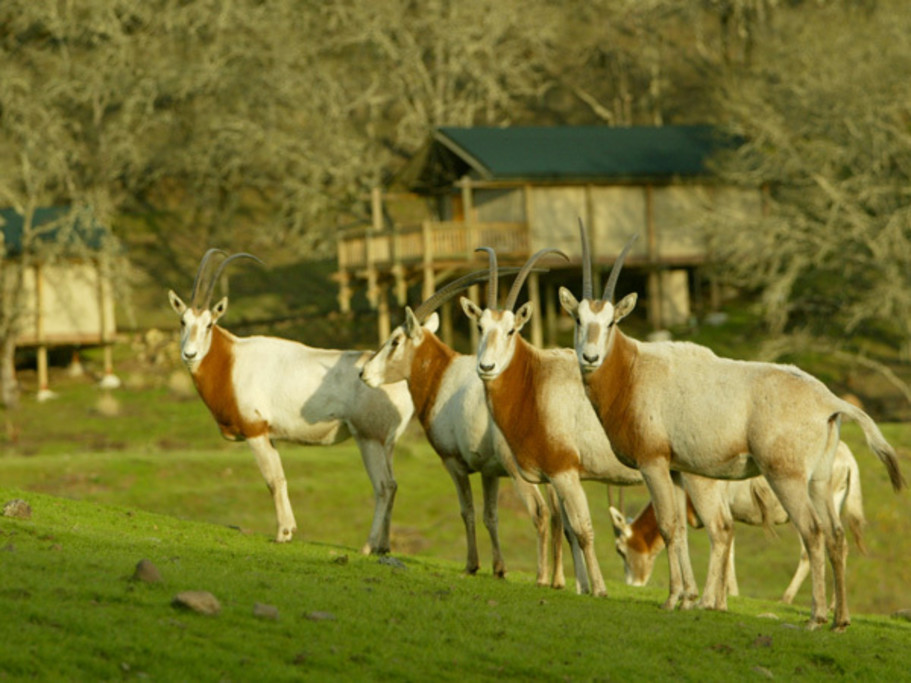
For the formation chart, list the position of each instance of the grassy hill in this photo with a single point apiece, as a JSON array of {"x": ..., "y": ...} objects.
[{"x": 315, "y": 611}]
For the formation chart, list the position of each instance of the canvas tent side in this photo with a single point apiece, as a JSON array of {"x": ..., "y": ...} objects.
[{"x": 56, "y": 285}]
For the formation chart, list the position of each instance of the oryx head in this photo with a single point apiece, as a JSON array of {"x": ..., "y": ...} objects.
[
  {"x": 594, "y": 319},
  {"x": 638, "y": 561},
  {"x": 392, "y": 361},
  {"x": 499, "y": 329},
  {"x": 197, "y": 319}
]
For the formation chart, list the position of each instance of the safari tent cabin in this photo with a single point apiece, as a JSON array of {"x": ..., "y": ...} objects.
[
  {"x": 521, "y": 189},
  {"x": 56, "y": 273}
]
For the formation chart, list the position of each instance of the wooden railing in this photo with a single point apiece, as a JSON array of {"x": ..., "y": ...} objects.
[{"x": 430, "y": 241}]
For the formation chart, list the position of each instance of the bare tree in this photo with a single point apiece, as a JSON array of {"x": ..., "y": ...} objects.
[{"x": 824, "y": 109}]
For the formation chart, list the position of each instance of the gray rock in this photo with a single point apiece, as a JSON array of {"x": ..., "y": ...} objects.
[
  {"x": 201, "y": 602},
  {"x": 146, "y": 571},
  {"x": 264, "y": 611},
  {"x": 17, "y": 508},
  {"x": 320, "y": 616}
]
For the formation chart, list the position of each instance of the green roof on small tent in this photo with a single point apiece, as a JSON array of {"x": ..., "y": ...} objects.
[
  {"x": 51, "y": 224},
  {"x": 564, "y": 153}
]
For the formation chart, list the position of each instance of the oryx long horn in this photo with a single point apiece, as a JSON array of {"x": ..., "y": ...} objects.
[
  {"x": 221, "y": 268},
  {"x": 586, "y": 263},
  {"x": 199, "y": 271},
  {"x": 526, "y": 269},
  {"x": 615, "y": 270},
  {"x": 450, "y": 289},
  {"x": 492, "y": 286}
]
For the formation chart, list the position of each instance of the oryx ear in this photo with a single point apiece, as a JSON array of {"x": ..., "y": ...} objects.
[
  {"x": 178, "y": 305},
  {"x": 470, "y": 307},
  {"x": 621, "y": 527},
  {"x": 625, "y": 307},
  {"x": 412, "y": 326},
  {"x": 523, "y": 315},
  {"x": 432, "y": 324},
  {"x": 219, "y": 309},
  {"x": 569, "y": 302}
]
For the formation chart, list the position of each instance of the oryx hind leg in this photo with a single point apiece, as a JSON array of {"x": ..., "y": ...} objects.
[
  {"x": 541, "y": 515},
  {"x": 794, "y": 496},
  {"x": 711, "y": 504},
  {"x": 378, "y": 463},
  {"x": 822, "y": 490}
]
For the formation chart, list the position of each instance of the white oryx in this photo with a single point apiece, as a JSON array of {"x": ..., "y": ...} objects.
[
  {"x": 537, "y": 401},
  {"x": 261, "y": 389},
  {"x": 670, "y": 406},
  {"x": 750, "y": 501},
  {"x": 449, "y": 402}
]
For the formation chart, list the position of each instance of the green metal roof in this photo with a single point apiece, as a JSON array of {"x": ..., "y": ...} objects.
[
  {"x": 565, "y": 153},
  {"x": 52, "y": 223}
]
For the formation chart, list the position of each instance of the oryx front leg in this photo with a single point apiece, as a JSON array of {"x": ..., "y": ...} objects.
[
  {"x": 578, "y": 518},
  {"x": 270, "y": 465},
  {"x": 491, "y": 488},
  {"x": 378, "y": 463},
  {"x": 670, "y": 513},
  {"x": 466, "y": 507}
]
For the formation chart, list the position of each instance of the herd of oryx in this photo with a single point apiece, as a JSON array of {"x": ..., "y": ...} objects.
[{"x": 696, "y": 428}]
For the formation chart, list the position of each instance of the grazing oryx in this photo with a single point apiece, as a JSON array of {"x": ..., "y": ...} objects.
[
  {"x": 751, "y": 501},
  {"x": 537, "y": 400},
  {"x": 449, "y": 401},
  {"x": 264, "y": 388},
  {"x": 677, "y": 406}
]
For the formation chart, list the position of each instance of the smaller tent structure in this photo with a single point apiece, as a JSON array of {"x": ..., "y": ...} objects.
[{"x": 56, "y": 284}]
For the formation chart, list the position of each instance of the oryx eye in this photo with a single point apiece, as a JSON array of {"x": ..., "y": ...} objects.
[
  {"x": 394, "y": 343},
  {"x": 480, "y": 330},
  {"x": 209, "y": 326},
  {"x": 511, "y": 332}
]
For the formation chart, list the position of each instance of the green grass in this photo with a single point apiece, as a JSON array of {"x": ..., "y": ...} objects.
[
  {"x": 158, "y": 482},
  {"x": 72, "y": 612}
]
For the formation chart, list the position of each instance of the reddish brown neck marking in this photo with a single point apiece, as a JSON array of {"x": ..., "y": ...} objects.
[
  {"x": 515, "y": 399},
  {"x": 428, "y": 366},
  {"x": 215, "y": 384},
  {"x": 611, "y": 389},
  {"x": 645, "y": 538}
]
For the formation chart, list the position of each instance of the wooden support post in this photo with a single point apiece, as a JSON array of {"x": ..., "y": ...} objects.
[
  {"x": 471, "y": 229},
  {"x": 550, "y": 313},
  {"x": 44, "y": 391},
  {"x": 534, "y": 296},
  {"x": 382, "y": 308},
  {"x": 474, "y": 294},
  {"x": 344, "y": 277},
  {"x": 43, "y": 387},
  {"x": 446, "y": 323},
  {"x": 428, "y": 285},
  {"x": 654, "y": 278}
]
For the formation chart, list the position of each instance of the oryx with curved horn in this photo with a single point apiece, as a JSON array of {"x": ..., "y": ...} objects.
[
  {"x": 676, "y": 406},
  {"x": 449, "y": 402},
  {"x": 536, "y": 399},
  {"x": 261, "y": 389}
]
